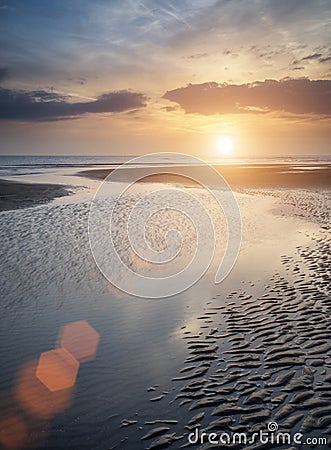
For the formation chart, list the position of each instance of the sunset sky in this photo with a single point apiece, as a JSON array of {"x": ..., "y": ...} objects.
[{"x": 137, "y": 76}]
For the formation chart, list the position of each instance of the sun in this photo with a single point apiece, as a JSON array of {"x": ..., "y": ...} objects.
[{"x": 225, "y": 146}]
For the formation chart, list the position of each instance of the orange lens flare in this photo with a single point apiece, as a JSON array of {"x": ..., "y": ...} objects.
[
  {"x": 57, "y": 369},
  {"x": 36, "y": 398},
  {"x": 13, "y": 432},
  {"x": 43, "y": 387},
  {"x": 80, "y": 339}
]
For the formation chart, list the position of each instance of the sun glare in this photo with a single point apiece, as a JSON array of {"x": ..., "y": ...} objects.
[{"x": 225, "y": 146}]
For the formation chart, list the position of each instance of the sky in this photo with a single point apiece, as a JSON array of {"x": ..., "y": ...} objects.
[{"x": 128, "y": 77}]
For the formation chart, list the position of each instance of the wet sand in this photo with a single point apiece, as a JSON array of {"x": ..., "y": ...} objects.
[
  {"x": 260, "y": 176},
  {"x": 16, "y": 195},
  {"x": 23, "y": 195},
  {"x": 260, "y": 356},
  {"x": 228, "y": 358}
]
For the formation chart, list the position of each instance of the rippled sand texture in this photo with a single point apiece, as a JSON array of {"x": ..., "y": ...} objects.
[
  {"x": 259, "y": 359},
  {"x": 228, "y": 357}
]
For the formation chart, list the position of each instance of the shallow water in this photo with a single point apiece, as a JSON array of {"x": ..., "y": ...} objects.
[{"x": 49, "y": 278}]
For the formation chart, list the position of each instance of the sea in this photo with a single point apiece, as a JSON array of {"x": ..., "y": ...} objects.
[{"x": 12, "y": 165}]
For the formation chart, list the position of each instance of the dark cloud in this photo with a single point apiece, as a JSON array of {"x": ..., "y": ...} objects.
[
  {"x": 313, "y": 57},
  {"x": 298, "y": 96},
  {"x": 198, "y": 56},
  {"x": 310, "y": 57},
  {"x": 326, "y": 59},
  {"x": 79, "y": 80},
  {"x": 45, "y": 106},
  {"x": 169, "y": 108}
]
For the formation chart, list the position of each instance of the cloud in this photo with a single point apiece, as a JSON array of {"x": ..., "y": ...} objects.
[
  {"x": 298, "y": 96},
  {"x": 169, "y": 108},
  {"x": 310, "y": 57},
  {"x": 198, "y": 55},
  {"x": 315, "y": 56},
  {"x": 46, "y": 106},
  {"x": 326, "y": 59}
]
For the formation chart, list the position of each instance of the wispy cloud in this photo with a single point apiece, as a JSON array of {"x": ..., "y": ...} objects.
[
  {"x": 310, "y": 57},
  {"x": 147, "y": 40}
]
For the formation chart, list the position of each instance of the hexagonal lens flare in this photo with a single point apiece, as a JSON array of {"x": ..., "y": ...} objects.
[
  {"x": 57, "y": 369},
  {"x": 80, "y": 339}
]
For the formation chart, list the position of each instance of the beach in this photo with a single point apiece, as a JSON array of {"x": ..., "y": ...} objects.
[
  {"x": 15, "y": 195},
  {"x": 232, "y": 358},
  {"x": 264, "y": 176},
  {"x": 165, "y": 198}
]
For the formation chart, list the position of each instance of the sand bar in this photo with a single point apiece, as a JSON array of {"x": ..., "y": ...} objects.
[{"x": 22, "y": 195}]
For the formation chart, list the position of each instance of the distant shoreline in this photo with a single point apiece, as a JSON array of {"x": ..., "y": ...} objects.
[
  {"x": 273, "y": 176},
  {"x": 17, "y": 194}
]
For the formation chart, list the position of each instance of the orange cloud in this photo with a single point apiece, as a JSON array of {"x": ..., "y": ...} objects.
[{"x": 298, "y": 96}]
